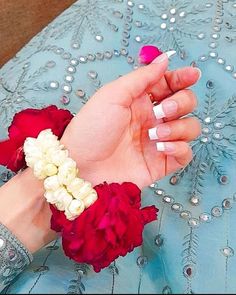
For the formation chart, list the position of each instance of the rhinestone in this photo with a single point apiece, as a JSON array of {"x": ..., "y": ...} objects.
[
  {"x": 164, "y": 16},
  {"x": 168, "y": 200},
  {"x": 163, "y": 26},
  {"x": 153, "y": 185},
  {"x": 223, "y": 179},
  {"x": 59, "y": 50},
  {"x": 138, "y": 24},
  {"x": 65, "y": 100},
  {"x": 26, "y": 65},
  {"x": 219, "y": 125},
  {"x": 127, "y": 26},
  {"x": 205, "y": 217},
  {"x": 174, "y": 180},
  {"x": 188, "y": 271},
  {"x": 138, "y": 39},
  {"x": 215, "y": 36},
  {"x": 126, "y": 34},
  {"x": 75, "y": 45},
  {"x": 125, "y": 42},
  {"x": 205, "y": 130},
  {"x": 12, "y": 255},
  {"x": 172, "y": 20},
  {"x": 176, "y": 207},
  {"x": 195, "y": 200},
  {"x": 53, "y": 84},
  {"x": 2, "y": 243},
  {"x": 203, "y": 58},
  {"x": 67, "y": 88},
  {"x": 69, "y": 78},
  {"x": 42, "y": 269},
  {"x": 228, "y": 39},
  {"x": 166, "y": 290},
  {"x": 66, "y": 55},
  {"x": 99, "y": 56},
  {"x": 108, "y": 54},
  {"x": 234, "y": 5},
  {"x": 219, "y": 20},
  {"x": 193, "y": 222},
  {"x": 228, "y": 25},
  {"x": 83, "y": 59},
  {"x": 185, "y": 214},
  {"x": 208, "y": 5},
  {"x": 171, "y": 29},
  {"x": 116, "y": 52},
  {"x": 234, "y": 75},
  {"x": 207, "y": 120},
  {"x": 141, "y": 6},
  {"x": 124, "y": 51},
  {"x": 229, "y": 68},
  {"x": 213, "y": 54},
  {"x": 142, "y": 261},
  {"x": 50, "y": 64},
  {"x": 80, "y": 93},
  {"x": 91, "y": 57},
  {"x": 117, "y": 14},
  {"x": 74, "y": 62},
  {"x": 213, "y": 45},
  {"x": 159, "y": 241},
  {"x": 130, "y": 3},
  {"x": 172, "y": 11},
  {"x": 217, "y": 28},
  {"x": 92, "y": 74},
  {"x": 227, "y": 203},
  {"x": 221, "y": 61},
  {"x": 205, "y": 139},
  {"x": 217, "y": 136},
  {"x": 216, "y": 211},
  {"x": 201, "y": 36},
  {"x": 159, "y": 192},
  {"x": 99, "y": 38},
  {"x": 182, "y": 14},
  {"x": 71, "y": 69},
  {"x": 227, "y": 251},
  {"x": 130, "y": 60}
]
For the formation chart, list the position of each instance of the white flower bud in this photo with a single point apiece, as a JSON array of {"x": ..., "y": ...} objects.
[
  {"x": 46, "y": 139},
  {"x": 75, "y": 186},
  {"x": 90, "y": 199},
  {"x": 50, "y": 197},
  {"x": 67, "y": 171},
  {"x": 63, "y": 198},
  {"x": 84, "y": 190},
  {"x": 51, "y": 183},
  {"x": 57, "y": 157},
  {"x": 39, "y": 171},
  {"x": 75, "y": 208},
  {"x": 50, "y": 169}
]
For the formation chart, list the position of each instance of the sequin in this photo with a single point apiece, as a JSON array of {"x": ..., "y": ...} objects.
[
  {"x": 108, "y": 54},
  {"x": 213, "y": 45},
  {"x": 229, "y": 68},
  {"x": 82, "y": 59},
  {"x": 177, "y": 207},
  {"x": 216, "y": 211},
  {"x": 91, "y": 57},
  {"x": 54, "y": 84},
  {"x": 172, "y": 11},
  {"x": 130, "y": 60},
  {"x": 117, "y": 14},
  {"x": 80, "y": 93},
  {"x": 189, "y": 271},
  {"x": 163, "y": 26},
  {"x": 234, "y": 75},
  {"x": 213, "y": 54},
  {"x": 124, "y": 51},
  {"x": 201, "y": 36},
  {"x": 172, "y": 20},
  {"x": 66, "y": 55},
  {"x": 69, "y": 78},
  {"x": 12, "y": 255},
  {"x": 205, "y": 217},
  {"x": 174, "y": 180},
  {"x": 219, "y": 125},
  {"x": 182, "y": 14},
  {"x": 130, "y": 3},
  {"x": 193, "y": 222},
  {"x": 159, "y": 240},
  {"x": 71, "y": 69},
  {"x": 227, "y": 203},
  {"x": 142, "y": 261},
  {"x": 65, "y": 100},
  {"x": 141, "y": 6},
  {"x": 168, "y": 200},
  {"x": 164, "y": 16},
  {"x": 99, "y": 38},
  {"x": 205, "y": 139},
  {"x": 220, "y": 61},
  {"x": 208, "y": 120},
  {"x": 138, "y": 39},
  {"x": 215, "y": 36},
  {"x": 223, "y": 179},
  {"x": 185, "y": 214},
  {"x": 138, "y": 24},
  {"x": 92, "y": 74},
  {"x": 116, "y": 52},
  {"x": 203, "y": 58},
  {"x": 159, "y": 192},
  {"x": 227, "y": 251},
  {"x": 50, "y": 64},
  {"x": 66, "y": 88},
  {"x": 195, "y": 200},
  {"x": 74, "y": 62}
]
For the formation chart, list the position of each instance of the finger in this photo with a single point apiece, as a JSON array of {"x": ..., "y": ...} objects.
[
  {"x": 180, "y": 150},
  {"x": 179, "y": 104},
  {"x": 137, "y": 82},
  {"x": 185, "y": 129},
  {"x": 174, "y": 81}
]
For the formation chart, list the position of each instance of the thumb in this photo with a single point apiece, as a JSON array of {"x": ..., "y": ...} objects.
[{"x": 134, "y": 84}]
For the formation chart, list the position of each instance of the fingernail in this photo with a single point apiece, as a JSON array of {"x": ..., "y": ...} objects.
[
  {"x": 168, "y": 147},
  {"x": 165, "y": 109},
  {"x": 199, "y": 72},
  {"x": 161, "y": 131},
  {"x": 170, "y": 53},
  {"x": 159, "y": 59}
]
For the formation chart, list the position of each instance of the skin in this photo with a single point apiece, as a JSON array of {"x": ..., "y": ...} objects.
[{"x": 109, "y": 141}]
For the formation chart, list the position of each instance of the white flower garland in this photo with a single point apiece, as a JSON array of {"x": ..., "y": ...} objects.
[{"x": 63, "y": 188}]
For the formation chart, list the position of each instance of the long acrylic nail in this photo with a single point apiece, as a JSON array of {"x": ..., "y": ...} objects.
[
  {"x": 167, "y": 147},
  {"x": 170, "y": 53},
  {"x": 167, "y": 108},
  {"x": 162, "y": 131}
]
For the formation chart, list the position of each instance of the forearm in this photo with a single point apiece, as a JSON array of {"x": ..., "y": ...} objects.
[{"x": 24, "y": 212}]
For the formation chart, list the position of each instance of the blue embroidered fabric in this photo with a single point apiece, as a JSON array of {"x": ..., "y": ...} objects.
[{"x": 191, "y": 248}]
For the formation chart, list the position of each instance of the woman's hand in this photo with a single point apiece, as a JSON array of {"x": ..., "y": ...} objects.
[{"x": 109, "y": 137}]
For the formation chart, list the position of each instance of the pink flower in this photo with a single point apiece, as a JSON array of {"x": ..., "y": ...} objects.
[{"x": 148, "y": 53}]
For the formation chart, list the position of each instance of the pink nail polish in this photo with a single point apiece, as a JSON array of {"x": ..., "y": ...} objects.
[
  {"x": 170, "y": 107},
  {"x": 161, "y": 58},
  {"x": 163, "y": 131}
]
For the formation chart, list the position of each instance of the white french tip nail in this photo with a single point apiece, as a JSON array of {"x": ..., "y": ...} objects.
[
  {"x": 159, "y": 112},
  {"x": 160, "y": 146},
  {"x": 170, "y": 53},
  {"x": 152, "y": 133}
]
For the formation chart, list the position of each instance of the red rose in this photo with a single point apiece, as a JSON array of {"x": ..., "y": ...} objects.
[
  {"x": 29, "y": 123},
  {"x": 110, "y": 228},
  {"x": 148, "y": 53}
]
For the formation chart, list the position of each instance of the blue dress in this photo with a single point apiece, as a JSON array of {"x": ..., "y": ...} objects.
[{"x": 191, "y": 248}]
